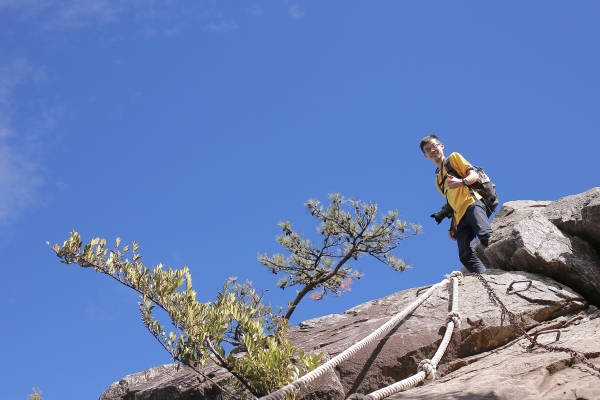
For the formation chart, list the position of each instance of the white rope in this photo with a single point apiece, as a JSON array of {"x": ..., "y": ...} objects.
[
  {"x": 329, "y": 365},
  {"x": 427, "y": 368}
]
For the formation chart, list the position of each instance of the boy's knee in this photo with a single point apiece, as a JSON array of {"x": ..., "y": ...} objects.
[
  {"x": 484, "y": 236},
  {"x": 485, "y": 241}
]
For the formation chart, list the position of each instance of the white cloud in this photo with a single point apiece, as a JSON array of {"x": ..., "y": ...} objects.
[
  {"x": 255, "y": 10},
  {"x": 78, "y": 13},
  {"x": 12, "y": 74},
  {"x": 173, "y": 31},
  {"x": 296, "y": 12},
  {"x": 153, "y": 17},
  {"x": 65, "y": 13},
  {"x": 18, "y": 182},
  {"x": 99, "y": 314},
  {"x": 30, "y": 5},
  {"x": 150, "y": 18},
  {"x": 223, "y": 26},
  {"x": 19, "y": 177},
  {"x": 151, "y": 32}
]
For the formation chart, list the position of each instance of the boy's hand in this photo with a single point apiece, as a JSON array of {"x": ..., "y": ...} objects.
[
  {"x": 452, "y": 233},
  {"x": 453, "y": 182}
]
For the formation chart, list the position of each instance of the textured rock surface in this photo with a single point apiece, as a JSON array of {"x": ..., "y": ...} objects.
[
  {"x": 516, "y": 371},
  {"x": 578, "y": 215},
  {"x": 525, "y": 240},
  {"x": 165, "y": 383},
  {"x": 396, "y": 356}
]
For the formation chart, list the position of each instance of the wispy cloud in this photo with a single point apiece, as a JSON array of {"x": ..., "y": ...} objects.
[
  {"x": 173, "y": 31},
  {"x": 152, "y": 32},
  {"x": 79, "y": 13},
  {"x": 15, "y": 72},
  {"x": 150, "y": 17},
  {"x": 68, "y": 14},
  {"x": 296, "y": 12},
  {"x": 29, "y": 5},
  {"x": 99, "y": 314},
  {"x": 223, "y": 26},
  {"x": 19, "y": 177},
  {"x": 19, "y": 181},
  {"x": 255, "y": 10},
  {"x": 65, "y": 13}
]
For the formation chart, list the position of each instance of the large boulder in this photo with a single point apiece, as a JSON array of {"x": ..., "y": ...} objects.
[
  {"x": 578, "y": 215},
  {"x": 525, "y": 239}
]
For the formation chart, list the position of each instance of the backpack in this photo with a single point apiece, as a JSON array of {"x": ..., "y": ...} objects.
[{"x": 483, "y": 187}]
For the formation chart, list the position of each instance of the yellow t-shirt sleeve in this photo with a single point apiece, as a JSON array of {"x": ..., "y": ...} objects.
[{"x": 460, "y": 164}]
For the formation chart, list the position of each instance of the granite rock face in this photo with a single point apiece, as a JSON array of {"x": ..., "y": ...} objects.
[
  {"x": 578, "y": 215},
  {"x": 516, "y": 371},
  {"x": 166, "y": 383},
  {"x": 525, "y": 239},
  {"x": 397, "y": 355}
]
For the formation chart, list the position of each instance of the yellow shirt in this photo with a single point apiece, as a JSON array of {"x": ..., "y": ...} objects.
[{"x": 459, "y": 199}]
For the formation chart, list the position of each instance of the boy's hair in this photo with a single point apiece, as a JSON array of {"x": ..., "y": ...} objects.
[{"x": 426, "y": 140}]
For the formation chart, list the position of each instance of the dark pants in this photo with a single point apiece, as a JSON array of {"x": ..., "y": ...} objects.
[{"x": 474, "y": 224}]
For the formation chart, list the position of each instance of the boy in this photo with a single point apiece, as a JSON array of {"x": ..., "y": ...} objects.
[{"x": 469, "y": 220}]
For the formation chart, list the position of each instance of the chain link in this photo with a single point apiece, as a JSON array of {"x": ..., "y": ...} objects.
[{"x": 534, "y": 342}]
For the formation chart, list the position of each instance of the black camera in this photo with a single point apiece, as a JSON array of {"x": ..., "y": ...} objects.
[{"x": 445, "y": 212}]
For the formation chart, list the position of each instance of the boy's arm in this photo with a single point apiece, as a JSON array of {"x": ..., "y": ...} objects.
[{"x": 462, "y": 167}]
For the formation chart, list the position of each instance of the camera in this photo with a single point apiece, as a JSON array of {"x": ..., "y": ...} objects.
[{"x": 445, "y": 212}]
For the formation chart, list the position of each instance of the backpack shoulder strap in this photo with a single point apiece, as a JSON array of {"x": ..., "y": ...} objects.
[{"x": 450, "y": 169}]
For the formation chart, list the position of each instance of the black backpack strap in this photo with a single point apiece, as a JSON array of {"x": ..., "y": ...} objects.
[
  {"x": 450, "y": 169},
  {"x": 441, "y": 184}
]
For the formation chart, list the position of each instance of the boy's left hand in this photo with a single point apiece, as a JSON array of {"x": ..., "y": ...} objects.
[{"x": 453, "y": 182}]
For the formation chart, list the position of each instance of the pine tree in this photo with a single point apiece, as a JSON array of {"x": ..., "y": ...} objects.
[{"x": 348, "y": 229}]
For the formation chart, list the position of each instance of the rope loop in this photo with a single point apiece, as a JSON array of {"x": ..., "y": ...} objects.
[
  {"x": 456, "y": 274},
  {"x": 455, "y": 317},
  {"x": 428, "y": 367}
]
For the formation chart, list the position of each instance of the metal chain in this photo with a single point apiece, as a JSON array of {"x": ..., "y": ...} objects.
[{"x": 534, "y": 342}]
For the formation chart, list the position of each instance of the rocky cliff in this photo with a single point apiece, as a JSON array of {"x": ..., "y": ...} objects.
[{"x": 551, "y": 249}]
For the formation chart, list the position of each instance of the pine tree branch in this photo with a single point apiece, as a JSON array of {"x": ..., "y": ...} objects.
[{"x": 314, "y": 284}]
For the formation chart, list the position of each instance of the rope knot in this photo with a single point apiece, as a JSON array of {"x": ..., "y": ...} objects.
[
  {"x": 428, "y": 367},
  {"x": 456, "y": 274},
  {"x": 455, "y": 317}
]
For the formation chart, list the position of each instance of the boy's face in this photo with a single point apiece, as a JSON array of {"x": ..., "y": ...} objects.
[{"x": 434, "y": 151}]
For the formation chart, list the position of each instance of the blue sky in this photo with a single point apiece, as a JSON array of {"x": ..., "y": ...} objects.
[{"x": 193, "y": 127}]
